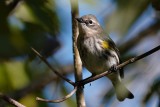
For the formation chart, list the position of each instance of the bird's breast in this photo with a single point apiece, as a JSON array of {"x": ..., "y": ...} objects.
[{"x": 91, "y": 55}]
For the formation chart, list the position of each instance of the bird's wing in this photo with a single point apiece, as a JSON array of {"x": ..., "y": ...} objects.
[{"x": 107, "y": 44}]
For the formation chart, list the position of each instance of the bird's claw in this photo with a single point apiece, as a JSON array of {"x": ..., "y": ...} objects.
[
  {"x": 113, "y": 68},
  {"x": 78, "y": 84}
]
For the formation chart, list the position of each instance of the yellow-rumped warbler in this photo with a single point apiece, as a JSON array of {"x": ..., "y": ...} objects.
[{"x": 99, "y": 53}]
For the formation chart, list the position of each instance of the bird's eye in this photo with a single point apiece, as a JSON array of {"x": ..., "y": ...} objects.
[
  {"x": 81, "y": 20},
  {"x": 90, "y": 22}
]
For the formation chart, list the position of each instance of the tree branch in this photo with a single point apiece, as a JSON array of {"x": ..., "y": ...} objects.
[
  {"x": 11, "y": 101},
  {"x": 90, "y": 79},
  {"x": 77, "y": 60},
  {"x": 58, "y": 100},
  {"x": 79, "y": 84},
  {"x": 54, "y": 70}
]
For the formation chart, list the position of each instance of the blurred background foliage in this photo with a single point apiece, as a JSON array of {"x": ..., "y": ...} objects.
[{"x": 40, "y": 24}]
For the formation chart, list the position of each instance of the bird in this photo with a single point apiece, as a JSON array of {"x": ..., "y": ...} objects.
[{"x": 99, "y": 53}]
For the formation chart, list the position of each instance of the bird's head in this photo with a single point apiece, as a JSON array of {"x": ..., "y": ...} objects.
[{"x": 88, "y": 24}]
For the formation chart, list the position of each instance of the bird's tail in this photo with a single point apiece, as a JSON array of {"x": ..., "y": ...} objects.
[{"x": 121, "y": 91}]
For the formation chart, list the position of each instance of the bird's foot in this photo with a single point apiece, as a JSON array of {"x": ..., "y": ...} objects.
[
  {"x": 78, "y": 83},
  {"x": 113, "y": 68}
]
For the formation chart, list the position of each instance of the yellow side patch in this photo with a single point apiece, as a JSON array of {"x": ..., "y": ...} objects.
[{"x": 105, "y": 45}]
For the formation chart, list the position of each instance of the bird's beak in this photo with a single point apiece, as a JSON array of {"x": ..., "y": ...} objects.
[{"x": 80, "y": 20}]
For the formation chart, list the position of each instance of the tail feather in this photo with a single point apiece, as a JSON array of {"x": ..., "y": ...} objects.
[{"x": 122, "y": 92}]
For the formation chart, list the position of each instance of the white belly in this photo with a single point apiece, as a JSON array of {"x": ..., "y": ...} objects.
[{"x": 98, "y": 64}]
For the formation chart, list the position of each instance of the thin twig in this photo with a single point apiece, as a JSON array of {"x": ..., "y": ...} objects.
[
  {"x": 35, "y": 85},
  {"x": 41, "y": 82},
  {"x": 58, "y": 100},
  {"x": 11, "y": 101},
  {"x": 90, "y": 79},
  {"x": 54, "y": 70}
]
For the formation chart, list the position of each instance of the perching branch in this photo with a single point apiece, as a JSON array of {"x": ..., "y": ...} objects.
[
  {"x": 90, "y": 79},
  {"x": 58, "y": 100},
  {"x": 80, "y": 83},
  {"x": 54, "y": 70},
  {"x": 11, "y": 101}
]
